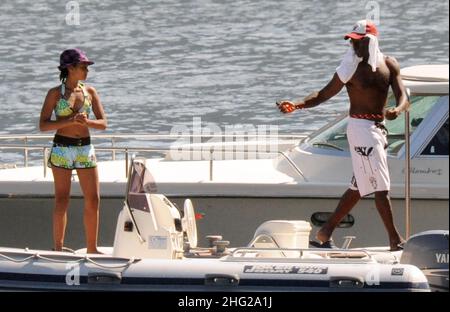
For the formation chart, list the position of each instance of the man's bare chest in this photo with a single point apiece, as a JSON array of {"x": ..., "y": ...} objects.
[{"x": 365, "y": 78}]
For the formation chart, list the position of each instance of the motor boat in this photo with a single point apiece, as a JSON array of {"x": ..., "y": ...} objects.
[
  {"x": 155, "y": 249},
  {"x": 298, "y": 179}
]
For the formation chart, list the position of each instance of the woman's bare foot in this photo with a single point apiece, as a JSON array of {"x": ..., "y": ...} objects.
[
  {"x": 63, "y": 249},
  {"x": 95, "y": 251}
]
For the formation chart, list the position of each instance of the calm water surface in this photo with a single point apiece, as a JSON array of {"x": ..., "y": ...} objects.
[{"x": 162, "y": 63}]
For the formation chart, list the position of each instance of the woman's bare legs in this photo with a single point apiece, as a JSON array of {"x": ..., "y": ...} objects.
[
  {"x": 91, "y": 191},
  {"x": 62, "y": 195}
]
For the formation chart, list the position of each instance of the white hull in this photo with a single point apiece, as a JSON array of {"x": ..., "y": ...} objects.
[
  {"x": 156, "y": 249},
  {"x": 66, "y": 271}
]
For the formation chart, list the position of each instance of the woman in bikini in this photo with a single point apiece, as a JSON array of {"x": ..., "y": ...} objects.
[{"x": 72, "y": 103}]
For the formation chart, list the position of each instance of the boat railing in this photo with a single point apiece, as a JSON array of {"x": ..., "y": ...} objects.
[
  {"x": 299, "y": 254},
  {"x": 28, "y": 145},
  {"x": 66, "y": 258}
]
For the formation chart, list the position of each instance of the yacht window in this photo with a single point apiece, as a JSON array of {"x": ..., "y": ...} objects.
[
  {"x": 439, "y": 143},
  {"x": 335, "y": 136},
  {"x": 420, "y": 106}
]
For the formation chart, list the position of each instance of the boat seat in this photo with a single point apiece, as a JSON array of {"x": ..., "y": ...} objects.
[
  {"x": 263, "y": 241},
  {"x": 266, "y": 241}
]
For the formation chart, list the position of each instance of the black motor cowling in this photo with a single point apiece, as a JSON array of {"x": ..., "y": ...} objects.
[{"x": 427, "y": 250}]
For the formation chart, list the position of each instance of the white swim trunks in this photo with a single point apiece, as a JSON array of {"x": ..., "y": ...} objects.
[{"x": 369, "y": 158}]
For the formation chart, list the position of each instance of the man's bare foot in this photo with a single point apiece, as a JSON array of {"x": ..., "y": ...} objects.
[
  {"x": 397, "y": 245},
  {"x": 323, "y": 235}
]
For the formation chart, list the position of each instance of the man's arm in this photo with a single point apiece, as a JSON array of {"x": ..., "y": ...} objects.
[
  {"x": 398, "y": 88},
  {"x": 331, "y": 89}
]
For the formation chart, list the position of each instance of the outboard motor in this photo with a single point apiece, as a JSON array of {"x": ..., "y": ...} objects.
[{"x": 429, "y": 252}]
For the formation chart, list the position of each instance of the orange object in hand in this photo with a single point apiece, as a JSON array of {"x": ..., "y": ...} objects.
[{"x": 286, "y": 107}]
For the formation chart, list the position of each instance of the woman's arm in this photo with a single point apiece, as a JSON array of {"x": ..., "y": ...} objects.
[{"x": 97, "y": 107}]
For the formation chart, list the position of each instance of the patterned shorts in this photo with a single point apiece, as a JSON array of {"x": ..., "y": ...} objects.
[{"x": 69, "y": 154}]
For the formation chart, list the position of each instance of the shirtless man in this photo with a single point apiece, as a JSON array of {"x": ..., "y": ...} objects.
[{"x": 367, "y": 75}]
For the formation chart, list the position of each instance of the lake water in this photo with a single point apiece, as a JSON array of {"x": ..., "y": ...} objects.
[{"x": 160, "y": 64}]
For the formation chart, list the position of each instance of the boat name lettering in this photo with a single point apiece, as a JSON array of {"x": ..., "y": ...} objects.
[
  {"x": 285, "y": 269},
  {"x": 442, "y": 258},
  {"x": 434, "y": 171}
]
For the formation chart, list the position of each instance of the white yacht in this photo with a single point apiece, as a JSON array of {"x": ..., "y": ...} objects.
[{"x": 303, "y": 179}]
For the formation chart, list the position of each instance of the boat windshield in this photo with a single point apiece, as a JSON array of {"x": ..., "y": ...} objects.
[
  {"x": 335, "y": 136},
  {"x": 140, "y": 179}
]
